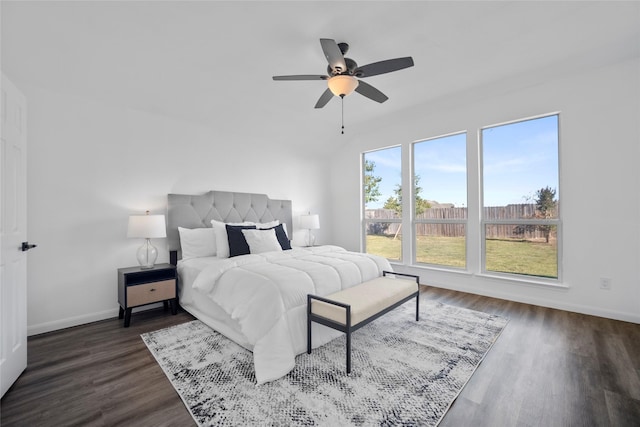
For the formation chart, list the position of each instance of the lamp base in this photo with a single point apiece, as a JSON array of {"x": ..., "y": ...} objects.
[
  {"x": 147, "y": 255},
  {"x": 311, "y": 240}
]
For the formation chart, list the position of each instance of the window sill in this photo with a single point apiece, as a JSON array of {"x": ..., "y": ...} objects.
[
  {"x": 524, "y": 281},
  {"x": 434, "y": 268}
]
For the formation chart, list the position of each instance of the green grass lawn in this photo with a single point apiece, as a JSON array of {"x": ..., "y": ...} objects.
[
  {"x": 385, "y": 246},
  {"x": 449, "y": 251},
  {"x": 523, "y": 257},
  {"x": 505, "y": 256}
]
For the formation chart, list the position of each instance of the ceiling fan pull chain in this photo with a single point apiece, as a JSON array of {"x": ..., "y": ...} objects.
[{"x": 342, "y": 103}]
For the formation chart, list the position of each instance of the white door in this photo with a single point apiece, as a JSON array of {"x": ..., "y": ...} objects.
[{"x": 13, "y": 232}]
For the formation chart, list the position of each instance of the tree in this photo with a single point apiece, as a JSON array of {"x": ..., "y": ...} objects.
[
  {"x": 546, "y": 208},
  {"x": 546, "y": 204},
  {"x": 371, "y": 183},
  {"x": 372, "y": 194},
  {"x": 395, "y": 202}
]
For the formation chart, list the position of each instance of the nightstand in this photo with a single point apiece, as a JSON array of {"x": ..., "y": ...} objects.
[{"x": 138, "y": 286}]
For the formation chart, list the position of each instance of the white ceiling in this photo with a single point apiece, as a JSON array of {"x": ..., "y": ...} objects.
[{"x": 211, "y": 62}]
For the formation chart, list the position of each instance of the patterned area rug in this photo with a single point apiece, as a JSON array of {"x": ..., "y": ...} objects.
[{"x": 403, "y": 372}]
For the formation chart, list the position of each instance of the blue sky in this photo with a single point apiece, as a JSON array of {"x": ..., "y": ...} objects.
[
  {"x": 441, "y": 164},
  {"x": 518, "y": 159},
  {"x": 388, "y": 166}
]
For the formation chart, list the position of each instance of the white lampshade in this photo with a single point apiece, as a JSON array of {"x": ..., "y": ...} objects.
[
  {"x": 147, "y": 226},
  {"x": 310, "y": 222},
  {"x": 342, "y": 85}
]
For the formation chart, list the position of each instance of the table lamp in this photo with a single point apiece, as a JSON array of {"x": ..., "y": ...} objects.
[
  {"x": 147, "y": 227},
  {"x": 310, "y": 222}
]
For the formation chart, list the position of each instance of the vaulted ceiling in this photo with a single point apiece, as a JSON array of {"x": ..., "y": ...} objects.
[{"x": 211, "y": 62}]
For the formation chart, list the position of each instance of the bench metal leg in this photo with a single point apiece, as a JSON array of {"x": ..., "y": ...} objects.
[
  {"x": 308, "y": 325},
  {"x": 348, "y": 351},
  {"x": 418, "y": 307},
  {"x": 348, "y": 324}
]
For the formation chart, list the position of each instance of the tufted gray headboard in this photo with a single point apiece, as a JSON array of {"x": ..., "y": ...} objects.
[{"x": 194, "y": 211}]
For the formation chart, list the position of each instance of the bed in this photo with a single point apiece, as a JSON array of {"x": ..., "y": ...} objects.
[{"x": 256, "y": 295}]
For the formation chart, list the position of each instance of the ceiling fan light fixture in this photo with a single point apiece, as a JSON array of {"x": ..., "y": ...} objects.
[{"x": 342, "y": 85}]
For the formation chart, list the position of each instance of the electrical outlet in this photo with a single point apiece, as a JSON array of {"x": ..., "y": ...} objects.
[{"x": 605, "y": 283}]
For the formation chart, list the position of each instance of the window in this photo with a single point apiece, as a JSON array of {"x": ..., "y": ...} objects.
[
  {"x": 382, "y": 190},
  {"x": 520, "y": 215},
  {"x": 440, "y": 200},
  {"x": 513, "y": 229}
]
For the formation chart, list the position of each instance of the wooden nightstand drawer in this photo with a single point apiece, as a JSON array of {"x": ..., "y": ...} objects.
[{"x": 151, "y": 292}]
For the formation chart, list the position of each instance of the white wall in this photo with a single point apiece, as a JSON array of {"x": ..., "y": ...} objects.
[
  {"x": 91, "y": 165},
  {"x": 600, "y": 183}
]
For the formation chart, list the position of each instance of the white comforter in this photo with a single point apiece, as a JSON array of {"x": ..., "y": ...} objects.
[{"x": 267, "y": 295}]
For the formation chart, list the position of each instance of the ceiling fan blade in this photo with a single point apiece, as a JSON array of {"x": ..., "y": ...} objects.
[
  {"x": 334, "y": 55},
  {"x": 301, "y": 77},
  {"x": 371, "y": 92},
  {"x": 324, "y": 98},
  {"x": 382, "y": 67}
]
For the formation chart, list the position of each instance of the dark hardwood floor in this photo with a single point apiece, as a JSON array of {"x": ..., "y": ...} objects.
[{"x": 548, "y": 368}]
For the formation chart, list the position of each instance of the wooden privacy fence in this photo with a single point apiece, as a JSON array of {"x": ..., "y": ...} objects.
[{"x": 494, "y": 231}]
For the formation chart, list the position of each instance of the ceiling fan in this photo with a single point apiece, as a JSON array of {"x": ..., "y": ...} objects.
[{"x": 344, "y": 74}]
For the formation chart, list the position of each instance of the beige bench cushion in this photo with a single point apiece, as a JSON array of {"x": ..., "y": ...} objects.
[{"x": 365, "y": 299}]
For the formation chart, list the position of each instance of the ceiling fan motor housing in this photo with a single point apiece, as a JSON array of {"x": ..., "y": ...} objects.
[{"x": 351, "y": 68}]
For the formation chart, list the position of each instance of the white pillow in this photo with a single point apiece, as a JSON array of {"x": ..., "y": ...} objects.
[
  {"x": 262, "y": 240},
  {"x": 261, "y": 226},
  {"x": 222, "y": 240},
  {"x": 197, "y": 242},
  {"x": 270, "y": 224}
]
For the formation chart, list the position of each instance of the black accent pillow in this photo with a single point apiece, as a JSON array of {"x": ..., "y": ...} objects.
[
  {"x": 237, "y": 243},
  {"x": 285, "y": 244}
]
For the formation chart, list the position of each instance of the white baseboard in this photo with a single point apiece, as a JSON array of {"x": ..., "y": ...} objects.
[
  {"x": 70, "y": 322},
  {"x": 80, "y": 320},
  {"x": 575, "y": 308}
]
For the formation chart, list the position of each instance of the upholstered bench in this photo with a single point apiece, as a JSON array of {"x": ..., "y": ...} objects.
[{"x": 352, "y": 308}]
